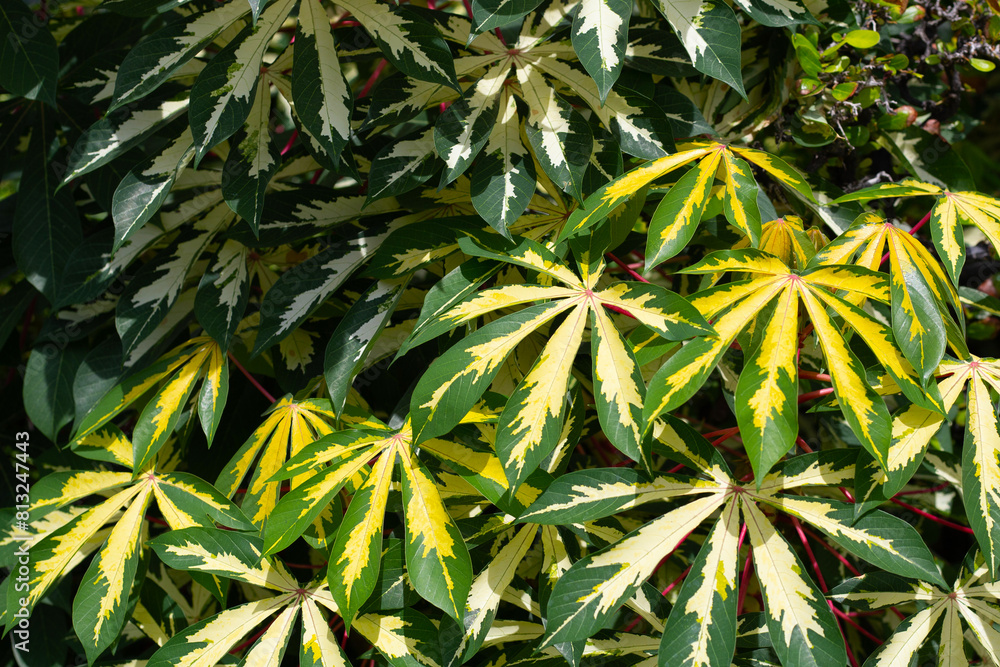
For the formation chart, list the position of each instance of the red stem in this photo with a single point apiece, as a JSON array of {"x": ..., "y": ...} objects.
[
  {"x": 913, "y": 230},
  {"x": 931, "y": 489},
  {"x": 809, "y": 375},
  {"x": 935, "y": 519},
  {"x": 677, "y": 580},
  {"x": 373, "y": 78},
  {"x": 288, "y": 146},
  {"x": 253, "y": 380},
  {"x": 745, "y": 579},
  {"x": 819, "y": 393},
  {"x": 803, "y": 445},
  {"x": 625, "y": 266},
  {"x": 809, "y": 552}
]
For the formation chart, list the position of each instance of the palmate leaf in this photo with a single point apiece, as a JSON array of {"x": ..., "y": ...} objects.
[
  {"x": 800, "y": 622},
  {"x": 322, "y": 97},
  {"x": 178, "y": 371},
  {"x": 465, "y": 127},
  {"x": 223, "y": 96},
  {"x": 532, "y": 420},
  {"x": 919, "y": 290},
  {"x": 155, "y": 58},
  {"x": 767, "y": 417},
  {"x": 289, "y": 427},
  {"x": 101, "y": 602},
  {"x": 971, "y": 599},
  {"x": 437, "y": 557},
  {"x": 951, "y": 211},
  {"x": 679, "y": 213}
]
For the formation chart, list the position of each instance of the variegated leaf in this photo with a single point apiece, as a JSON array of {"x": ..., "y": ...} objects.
[
  {"x": 401, "y": 166},
  {"x": 320, "y": 647},
  {"x": 356, "y": 555},
  {"x": 597, "y": 585},
  {"x": 600, "y": 33},
  {"x": 801, "y": 625},
  {"x": 700, "y": 631},
  {"x": 600, "y": 204},
  {"x": 618, "y": 387},
  {"x": 465, "y": 127},
  {"x": 119, "y": 131},
  {"x": 223, "y": 95},
  {"x": 155, "y": 58},
  {"x": 560, "y": 138},
  {"x": 252, "y": 162},
  {"x": 323, "y": 100},
  {"x": 407, "y": 40},
  {"x": 587, "y": 495},
  {"x": 456, "y": 379},
  {"x": 223, "y": 293},
  {"x": 437, "y": 560},
  {"x": 981, "y": 468},
  {"x": 503, "y": 178},
  {"x": 710, "y": 33},
  {"x": 208, "y": 641},
  {"x": 156, "y": 287},
  {"x": 303, "y": 288},
  {"x": 887, "y": 541},
  {"x": 351, "y": 341},
  {"x": 143, "y": 190},
  {"x": 531, "y": 423},
  {"x": 100, "y": 607}
]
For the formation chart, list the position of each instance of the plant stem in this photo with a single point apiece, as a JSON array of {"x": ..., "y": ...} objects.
[{"x": 253, "y": 380}]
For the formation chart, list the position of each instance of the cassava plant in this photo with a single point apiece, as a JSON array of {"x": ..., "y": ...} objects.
[{"x": 500, "y": 332}]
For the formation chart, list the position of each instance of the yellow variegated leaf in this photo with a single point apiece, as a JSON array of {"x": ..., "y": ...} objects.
[
  {"x": 531, "y": 422},
  {"x": 437, "y": 559},
  {"x": 270, "y": 648},
  {"x": 319, "y": 646},
  {"x": 577, "y": 607},
  {"x": 798, "y": 619},
  {"x": 208, "y": 642},
  {"x": 355, "y": 559}
]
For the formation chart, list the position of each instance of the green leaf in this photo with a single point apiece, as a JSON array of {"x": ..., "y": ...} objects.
[
  {"x": 29, "y": 58},
  {"x": 46, "y": 224},
  {"x": 560, "y": 138},
  {"x": 223, "y": 96},
  {"x": 711, "y": 35},
  {"x": 600, "y": 35},
  {"x": 253, "y": 160},
  {"x": 349, "y": 345},
  {"x": 323, "y": 100},
  {"x": 48, "y": 386}
]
